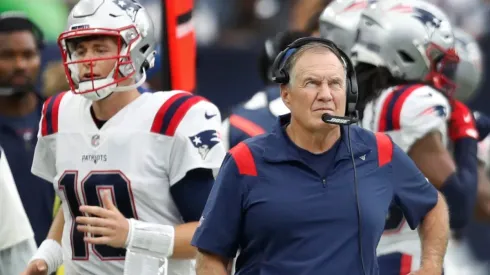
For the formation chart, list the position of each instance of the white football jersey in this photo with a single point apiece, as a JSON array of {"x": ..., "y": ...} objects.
[
  {"x": 14, "y": 224},
  {"x": 406, "y": 113},
  {"x": 136, "y": 156}
]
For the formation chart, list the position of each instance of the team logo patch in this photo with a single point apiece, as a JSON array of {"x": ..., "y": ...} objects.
[
  {"x": 95, "y": 140},
  {"x": 205, "y": 141},
  {"x": 438, "y": 110},
  {"x": 129, "y": 6}
]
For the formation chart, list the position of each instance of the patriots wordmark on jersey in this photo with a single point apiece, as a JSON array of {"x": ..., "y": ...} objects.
[{"x": 136, "y": 156}]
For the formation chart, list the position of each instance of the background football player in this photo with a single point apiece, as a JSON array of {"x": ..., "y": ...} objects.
[
  {"x": 133, "y": 170},
  {"x": 412, "y": 64},
  {"x": 459, "y": 257}
]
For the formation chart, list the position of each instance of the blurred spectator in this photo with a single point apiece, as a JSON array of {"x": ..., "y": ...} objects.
[{"x": 20, "y": 113}]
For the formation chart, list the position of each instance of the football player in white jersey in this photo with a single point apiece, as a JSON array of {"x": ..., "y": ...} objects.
[
  {"x": 133, "y": 170},
  {"x": 405, "y": 51},
  {"x": 459, "y": 258}
]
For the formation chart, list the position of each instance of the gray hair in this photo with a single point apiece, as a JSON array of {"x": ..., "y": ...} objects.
[{"x": 293, "y": 59}]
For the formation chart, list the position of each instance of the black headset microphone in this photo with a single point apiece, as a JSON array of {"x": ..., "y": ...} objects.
[
  {"x": 281, "y": 76},
  {"x": 339, "y": 120}
]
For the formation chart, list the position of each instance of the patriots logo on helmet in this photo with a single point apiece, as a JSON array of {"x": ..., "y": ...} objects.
[
  {"x": 205, "y": 141},
  {"x": 131, "y": 7},
  {"x": 427, "y": 18}
]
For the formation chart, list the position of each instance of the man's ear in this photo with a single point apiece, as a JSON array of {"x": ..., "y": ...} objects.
[{"x": 286, "y": 95}]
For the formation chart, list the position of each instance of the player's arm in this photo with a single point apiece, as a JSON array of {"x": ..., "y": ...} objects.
[
  {"x": 49, "y": 255},
  {"x": 482, "y": 209},
  {"x": 217, "y": 235},
  {"x": 196, "y": 155},
  {"x": 423, "y": 207},
  {"x": 190, "y": 195},
  {"x": 455, "y": 177}
]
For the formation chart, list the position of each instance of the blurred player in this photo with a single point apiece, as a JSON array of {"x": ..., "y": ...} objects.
[
  {"x": 258, "y": 115},
  {"x": 412, "y": 64},
  {"x": 133, "y": 170},
  {"x": 459, "y": 258},
  {"x": 17, "y": 243},
  {"x": 339, "y": 20}
]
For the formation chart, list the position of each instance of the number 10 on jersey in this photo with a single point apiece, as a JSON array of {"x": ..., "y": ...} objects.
[{"x": 89, "y": 192}]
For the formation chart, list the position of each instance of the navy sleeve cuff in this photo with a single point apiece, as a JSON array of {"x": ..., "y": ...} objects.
[{"x": 191, "y": 193}]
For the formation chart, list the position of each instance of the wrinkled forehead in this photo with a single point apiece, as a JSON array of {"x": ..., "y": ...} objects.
[{"x": 319, "y": 62}]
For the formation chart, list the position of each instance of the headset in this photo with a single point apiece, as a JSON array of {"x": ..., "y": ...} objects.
[
  {"x": 17, "y": 20},
  {"x": 281, "y": 76}
]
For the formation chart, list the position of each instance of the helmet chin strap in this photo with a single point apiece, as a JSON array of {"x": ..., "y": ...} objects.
[
  {"x": 132, "y": 86},
  {"x": 105, "y": 92}
]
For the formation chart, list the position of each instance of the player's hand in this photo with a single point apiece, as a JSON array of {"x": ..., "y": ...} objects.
[
  {"x": 105, "y": 225},
  {"x": 461, "y": 123},
  {"x": 36, "y": 267}
]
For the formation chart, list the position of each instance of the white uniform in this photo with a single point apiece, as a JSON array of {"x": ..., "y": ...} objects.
[
  {"x": 136, "y": 156},
  {"x": 17, "y": 243},
  {"x": 406, "y": 113}
]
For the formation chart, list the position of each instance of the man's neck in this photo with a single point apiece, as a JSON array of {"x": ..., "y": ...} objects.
[
  {"x": 18, "y": 105},
  {"x": 316, "y": 142},
  {"x": 106, "y": 108}
]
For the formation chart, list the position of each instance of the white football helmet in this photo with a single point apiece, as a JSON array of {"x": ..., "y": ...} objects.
[
  {"x": 413, "y": 39},
  {"x": 469, "y": 72},
  {"x": 126, "y": 20},
  {"x": 339, "y": 20}
]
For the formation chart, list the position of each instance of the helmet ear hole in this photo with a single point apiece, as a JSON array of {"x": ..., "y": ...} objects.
[
  {"x": 144, "y": 48},
  {"x": 405, "y": 57}
]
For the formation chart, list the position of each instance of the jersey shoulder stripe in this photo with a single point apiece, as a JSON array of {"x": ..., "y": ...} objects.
[
  {"x": 389, "y": 119},
  {"x": 385, "y": 149},
  {"x": 49, "y": 123},
  {"x": 244, "y": 159},
  {"x": 245, "y": 125},
  {"x": 172, "y": 111}
]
